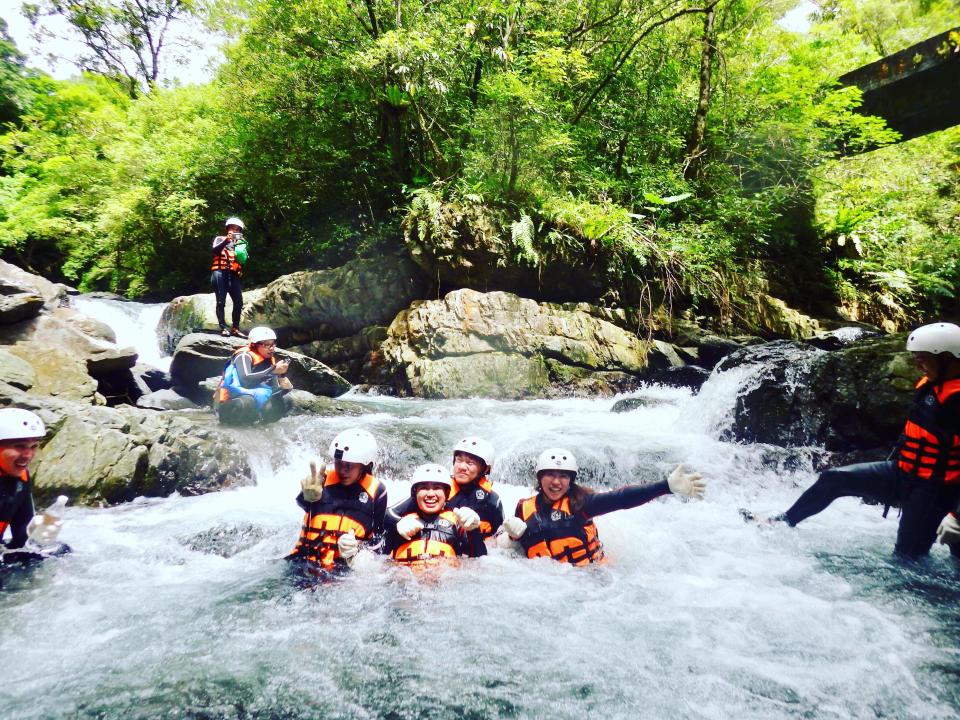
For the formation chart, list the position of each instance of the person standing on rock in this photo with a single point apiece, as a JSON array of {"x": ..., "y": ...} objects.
[
  {"x": 20, "y": 435},
  {"x": 923, "y": 477},
  {"x": 344, "y": 506},
  {"x": 254, "y": 385},
  {"x": 431, "y": 532},
  {"x": 226, "y": 272},
  {"x": 470, "y": 487},
  {"x": 557, "y": 522}
]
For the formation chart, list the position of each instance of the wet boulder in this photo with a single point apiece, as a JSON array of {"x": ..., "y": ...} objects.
[
  {"x": 17, "y": 371},
  {"x": 165, "y": 400},
  {"x": 791, "y": 394},
  {"x": 225, "y": 540},
  {"x": 503, "y": 346},
  {"x": 19, "y": 306}
]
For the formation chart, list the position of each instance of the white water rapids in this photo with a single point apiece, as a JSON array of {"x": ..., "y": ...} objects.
[{"x": 697, "y": 616}]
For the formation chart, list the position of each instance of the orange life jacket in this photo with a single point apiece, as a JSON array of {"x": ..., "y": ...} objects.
[
  {"x": 929, "y": 449},
  {"x": 223, "y": 388},
  {"x": 561, "y": 535},
  {"x": 226, "y": 259},
  {"x": 324, "y": 525},
  {"x": 24, "y": 478},
  {"x": 482, "y": 499},
  {"x": 439, "y": 538}
]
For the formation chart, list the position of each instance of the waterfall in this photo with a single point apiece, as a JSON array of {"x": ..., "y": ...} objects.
[{"x": 133, "y": 323}]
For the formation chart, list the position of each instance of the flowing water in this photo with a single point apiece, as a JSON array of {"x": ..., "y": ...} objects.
[{"x": 697, "y": 616}]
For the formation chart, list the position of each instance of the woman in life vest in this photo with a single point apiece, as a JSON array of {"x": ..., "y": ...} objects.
[
  {"x": 343, "y": 506},
  {"x": 225, "y": 276},
  {"x": 923, "y": 477},
  {"x": 557, "y": 522},
  {"x": 20, "y": 435},
  {"x": 470, "y": 486},
  {"x": 254, "y": 385},
  {"x": 430, "y": 533}
]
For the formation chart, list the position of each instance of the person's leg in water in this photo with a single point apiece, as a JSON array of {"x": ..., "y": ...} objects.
[
  {"x": 236, "y": 297},
  {"x": 241, "y": 410},
  {"x": 220, "y": 281},
  {"x": 923, "y": 505},
  {"x": 876, "y": 481}
]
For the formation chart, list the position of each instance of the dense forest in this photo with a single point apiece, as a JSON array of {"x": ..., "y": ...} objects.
[{"x": 693, "y": 151}]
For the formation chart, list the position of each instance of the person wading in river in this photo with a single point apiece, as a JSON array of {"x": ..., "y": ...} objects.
[
  {"x": 557, "y": 522},
  {"x": 225, "y": 275},
  {"x": 344, "y": 506},
  {"x": 20, "y": 435},
  {"x": 430, "y": 533},
  {"x": 923, "y": 477},
  {"x": 470, "y": 487}
]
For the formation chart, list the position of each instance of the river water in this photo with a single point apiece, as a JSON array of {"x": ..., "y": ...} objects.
[{"x": 697, "y": 615}]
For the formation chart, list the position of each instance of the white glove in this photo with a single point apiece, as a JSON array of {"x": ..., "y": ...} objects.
[
  {"x": 348, "y": 546},
  {"x": 688, "y": 484},
  {"x": 408, "y": 526},
  {"x": 949, "y": 531},
  {"x": 312, "y": 484},
  {"x": 515, "y": 527},
  {"x": 469, "y": 520},
  {"x": 44, "y": 529}
]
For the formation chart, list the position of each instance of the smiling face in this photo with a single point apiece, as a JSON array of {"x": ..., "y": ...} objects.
[
  {"x": 15, "y": 455},
  {"x": 266, "y": 348},
  {"x": 467, "y": 468},
  {"x": 555, "y": 483},
  {"x": 430, "y": 497}
]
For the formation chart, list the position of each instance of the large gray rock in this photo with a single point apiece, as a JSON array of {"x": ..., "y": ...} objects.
[
  {"x": 17, "y": 371},
  {"x": 199, "y": 356},
  {"x": 15, "y": 280},
  {"x": 855, "y": 398},
  {"x": 503, "y": 346},
  {"x": 100, "y": 455},
  {"x": 19, "y": 306},
  {"x": 345, "y": 355},
  {"x": 193, "y": 314}
]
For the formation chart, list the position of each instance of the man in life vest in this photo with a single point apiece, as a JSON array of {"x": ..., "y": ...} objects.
[
  {"x": 20, "y": 435},
  {"x": 343, "y": 507},
  {"x": 470, "y": 486},
  {"x": 225, "y": 275},
  {"x": 254, "y": 385},
  {"x": 557, "y": 522},
  {"x": 429, "y": 533},
  {"x": 923, "y": 477}
]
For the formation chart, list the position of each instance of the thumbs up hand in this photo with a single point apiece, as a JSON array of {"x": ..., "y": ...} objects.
[{"x": 312, "y": 484}]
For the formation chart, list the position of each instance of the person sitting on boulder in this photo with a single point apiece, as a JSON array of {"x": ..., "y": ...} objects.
[
  {"x": 923, "y": 477},
  {"x": 344, "y": 506},
  {"x": 20, "y": 435},
  {"x": 429, "y": 533},
  {"x": 470, "y": 487},
  {"x": 254, "y": 386},
  {"x": 557, "y": 522},
  {"x": 225, "y": 275}
]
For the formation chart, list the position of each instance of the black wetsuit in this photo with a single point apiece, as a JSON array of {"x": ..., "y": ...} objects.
[
  {"x": 923, "y": 501},
  {"x": 16, "y": 510},
  {"x": 242, "y": 409},
  {"x": 439, "y": 528},
  {"x": 225, "y": 279}
]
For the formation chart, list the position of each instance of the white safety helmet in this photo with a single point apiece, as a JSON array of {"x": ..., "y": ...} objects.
[
  {"x": 19, "y": 424},
  {"x": 476, "y": 446},
  {"x": 935, "y": 338},
  {"x": 430, "y": 473},
  {"x": 235, "y": 221},
  {"x": 354, "y": 446},
  {"x": 261, "y": 334},
  {"x": 557, "y": 459}
]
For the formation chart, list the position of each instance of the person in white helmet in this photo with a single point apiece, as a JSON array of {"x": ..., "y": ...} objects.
[
  {"x": 254, "y": 384},
  {"x": 344, "y": 506},
  {"x": 557, "y": 522},
  {"x": 430, "y": 532},
  {"x": 226, "y": 271},
  {"x": 923, "y": 476},
  {"x": 20, "y": 434},
  {"x": 470, "y": 486}
]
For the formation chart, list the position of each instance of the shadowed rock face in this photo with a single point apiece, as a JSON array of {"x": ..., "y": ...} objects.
[
  {"x": 503, "y": 346},
  {"x": 855, "y": 398}
]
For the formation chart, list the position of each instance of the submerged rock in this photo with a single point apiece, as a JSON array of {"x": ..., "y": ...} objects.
[{"x": 225, "y": 540}]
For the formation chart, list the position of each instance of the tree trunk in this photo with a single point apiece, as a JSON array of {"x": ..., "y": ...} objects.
[{"x": 695, "y": 149}]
